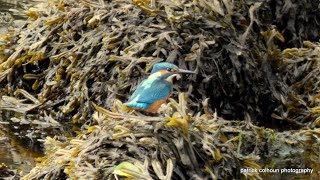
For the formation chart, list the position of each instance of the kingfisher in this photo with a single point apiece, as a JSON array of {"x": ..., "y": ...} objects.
[{"x": 156, "y": 89}]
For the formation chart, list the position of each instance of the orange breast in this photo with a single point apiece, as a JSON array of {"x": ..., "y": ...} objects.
[{"x": 155, "y": 106}]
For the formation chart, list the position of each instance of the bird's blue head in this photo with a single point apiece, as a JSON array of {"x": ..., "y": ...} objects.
[
  {"x": 164, "y": 70},
  {"x": 164, "y": 66}
]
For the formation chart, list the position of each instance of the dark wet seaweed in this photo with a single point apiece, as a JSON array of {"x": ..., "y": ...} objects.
[{"x": 255, "y": 61}]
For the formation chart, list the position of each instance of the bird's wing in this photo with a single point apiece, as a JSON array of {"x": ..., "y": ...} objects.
[
  {"x": 151, "y": 91},
  {"x": 155, "y": 92}
]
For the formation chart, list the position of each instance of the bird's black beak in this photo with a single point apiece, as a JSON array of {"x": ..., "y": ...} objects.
[{"x": 183, "y": 71}]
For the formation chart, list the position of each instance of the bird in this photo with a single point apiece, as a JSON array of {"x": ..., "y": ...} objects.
[{"x": 156, "y": 89}]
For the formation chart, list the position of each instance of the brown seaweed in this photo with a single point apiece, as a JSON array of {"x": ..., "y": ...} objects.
[{"x": 75, "y": 61}]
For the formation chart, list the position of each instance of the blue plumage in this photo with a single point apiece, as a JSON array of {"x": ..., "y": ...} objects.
[
  {"x": 163, "y": 66},
  {"x": 155, "y": 90},
  {"x": 148, "y": 92}
]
